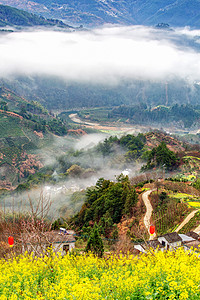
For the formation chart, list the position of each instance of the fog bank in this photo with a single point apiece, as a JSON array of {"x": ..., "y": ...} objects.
[{"x": 105, "y": 55}]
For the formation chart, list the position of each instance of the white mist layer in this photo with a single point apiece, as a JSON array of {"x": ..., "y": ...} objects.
[
  {"x": 105, "y": 55},
  {"x": 60, "y": 193}
]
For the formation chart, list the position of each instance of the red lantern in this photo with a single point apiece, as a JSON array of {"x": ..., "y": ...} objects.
[
  {"x": 152, "y": 229},
  {"x": 11, "y": 241}
]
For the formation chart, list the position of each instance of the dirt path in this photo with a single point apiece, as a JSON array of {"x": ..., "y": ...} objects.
[
  {"x": 149, "y": 208},
  {"x": 187, "y": 219},
  {"x": 76, "y": 119}
]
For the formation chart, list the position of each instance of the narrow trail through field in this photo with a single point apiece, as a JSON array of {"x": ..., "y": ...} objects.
[
  {"x": 26, "y": 135},
  {"x": 149, "y": 208},
  {"x": 187, "y": 219}
]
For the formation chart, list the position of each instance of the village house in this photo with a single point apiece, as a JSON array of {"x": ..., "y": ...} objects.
[
  {"x": 171, "y": 241},
  {"x": 60, "y": 241},
  {"x": 152, "y": 244},
  {"x": 191, "y": 240}
]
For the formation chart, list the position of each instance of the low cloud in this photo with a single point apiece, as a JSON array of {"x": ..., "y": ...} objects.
[
  {"x": 89, "y": 141},
  {"x": 106, "y": 55}
]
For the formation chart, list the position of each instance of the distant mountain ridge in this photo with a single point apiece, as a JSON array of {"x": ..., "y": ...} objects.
[
  {"x": 98, "y": 12},
  {"x": 10, "y": 16}
]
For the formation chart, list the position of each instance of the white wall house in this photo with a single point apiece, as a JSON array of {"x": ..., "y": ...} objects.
[
  {"x": 170, "y": 241},
  {"x": 37, "y": 244}
]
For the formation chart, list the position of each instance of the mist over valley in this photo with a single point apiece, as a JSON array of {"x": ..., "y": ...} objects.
[
  {"x": 99, "y": 149},
  {"x": 114, "y": 81},
  {"x": 102, "y": 67},
  {"x": 81, "y": 104}
]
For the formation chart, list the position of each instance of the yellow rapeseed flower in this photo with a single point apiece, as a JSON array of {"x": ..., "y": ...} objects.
[{"x": 161, "y": 275}]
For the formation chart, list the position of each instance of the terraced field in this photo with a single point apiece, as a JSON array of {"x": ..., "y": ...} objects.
[
  {"x": 191, "y": 200},
  {"x": 10, "y": 126}
]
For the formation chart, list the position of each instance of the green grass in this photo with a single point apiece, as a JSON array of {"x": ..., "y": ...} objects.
[{"x": 96, "y": 114}]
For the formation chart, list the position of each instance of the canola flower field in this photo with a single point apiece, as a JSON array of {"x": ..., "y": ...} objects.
[{"x": 169, "y": 275}]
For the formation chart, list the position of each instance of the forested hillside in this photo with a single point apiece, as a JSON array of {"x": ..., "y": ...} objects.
[
  {"x": 10, "y": 16},
  {"x": 97, "y": 12},
  {"x": 25, "y": 127},
  {"x": 183, "y": 115},
  {"x": 176, "y": 13},
  {"x": 55, "y": 93}
]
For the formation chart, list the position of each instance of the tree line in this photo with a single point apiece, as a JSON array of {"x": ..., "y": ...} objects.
[{"x": 141, "y": 113}]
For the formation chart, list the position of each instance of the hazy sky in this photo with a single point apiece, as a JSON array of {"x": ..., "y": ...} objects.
[{"x": 105, "y": 55}]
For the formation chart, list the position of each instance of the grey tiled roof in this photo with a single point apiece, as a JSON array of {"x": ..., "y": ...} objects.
[
  {"x": 155, "y": 244},
  {"x": 172, "y": 237},
  {"x": 193, "y": 234}
]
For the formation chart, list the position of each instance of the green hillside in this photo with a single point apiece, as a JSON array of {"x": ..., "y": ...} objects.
[
  {"x": 98, "y": 12},
  {"x": 14, "y": 17},
  {"x": 25, "y": 128}
]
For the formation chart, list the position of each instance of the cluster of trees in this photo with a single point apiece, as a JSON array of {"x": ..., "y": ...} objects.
[
  {"x": 13, "y": 16},
  {"x": 34, "y": 107},
  {"x": 41, "y": 119},
  {"x": 105, "y": 204},
  {"x": 161, "y": 156},
  {"x": 134, "y": 144},
  {"x": 141, "y": 113},
  {"x": 57, "y": 126}
]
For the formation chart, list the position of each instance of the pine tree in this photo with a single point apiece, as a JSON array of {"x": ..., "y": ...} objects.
[
  {"x": 130, "y": 202},
  {"x": 95, "y": 243}
]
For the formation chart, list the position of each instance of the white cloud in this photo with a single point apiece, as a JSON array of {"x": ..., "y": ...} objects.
[{"x": 105, "y": 55}]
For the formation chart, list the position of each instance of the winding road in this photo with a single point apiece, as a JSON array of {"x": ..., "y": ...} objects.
[
  {"x": 124, "y": 128},
  {"x": 145, "y": 196},
  {"x": 187, "y": 219},
  {"x": 149, "y": 208}
]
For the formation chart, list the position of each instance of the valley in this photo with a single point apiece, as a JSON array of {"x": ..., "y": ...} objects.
[
  {"x": 109, "y": 124},
  {"x": 110, "y": 127},
  {"x": 85, "y": 151},
  {"x": 99, "y": 149}
]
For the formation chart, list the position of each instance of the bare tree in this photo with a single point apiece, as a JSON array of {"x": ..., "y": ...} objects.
[
  {"x": 34, "y": 226},
  {"x": 27, "y": 227}
]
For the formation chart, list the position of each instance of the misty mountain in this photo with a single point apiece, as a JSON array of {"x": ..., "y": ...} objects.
[
  {"x": 56, "y": 94},
  {"x": 102, "y": 67},
  {"x": 98, "y": 12},
  {"x": 10, "y": 16}
]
